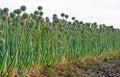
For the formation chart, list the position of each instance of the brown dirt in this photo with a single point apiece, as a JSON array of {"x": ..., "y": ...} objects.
[
  {"x": 104, "y": 65},
  {"x": 106, "y": 69}
]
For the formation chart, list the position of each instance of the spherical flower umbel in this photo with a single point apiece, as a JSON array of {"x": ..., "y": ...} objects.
[
  {"x": 25, "y": 15},
  {"x": 73, "y": 18},
  {"x": 62, "y": 14},
  {"x": 6, "y": 10},
  {"x": 18, "y": 11},
  {"x": 40, "y": 8},
  {"x": 41, "y": 13},
  {"x": 15, "y": 11},
  {"x": 2, "y": 41},
  {"x": 36, "y": 12},
  {"x": 66, "y": 16},
  {"x": 47, "y": 19},
  {"x": 12, "y": 14},
  {"x": 23, "y": 8}
]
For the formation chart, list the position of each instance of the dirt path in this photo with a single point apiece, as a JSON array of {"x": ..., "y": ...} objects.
[{"x": 106, "y": 69}]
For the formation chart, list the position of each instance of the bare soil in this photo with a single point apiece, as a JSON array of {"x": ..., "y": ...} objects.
[{"x": 105, "y": 69}]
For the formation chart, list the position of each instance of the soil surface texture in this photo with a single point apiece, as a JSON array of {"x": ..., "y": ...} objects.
[{"x": 105, "y": 69}]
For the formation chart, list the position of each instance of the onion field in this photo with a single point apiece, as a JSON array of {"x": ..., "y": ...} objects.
[{"x": 28, "y": 40}]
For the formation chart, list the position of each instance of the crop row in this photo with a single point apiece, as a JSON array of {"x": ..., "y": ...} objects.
[{"x": 32, "y": 39}]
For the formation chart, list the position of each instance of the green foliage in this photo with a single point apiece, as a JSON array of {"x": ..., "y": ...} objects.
[{"x": 31, "y": 39}]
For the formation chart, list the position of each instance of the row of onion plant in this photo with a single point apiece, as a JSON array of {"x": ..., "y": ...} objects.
[{"x": 32, "y": 39}]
